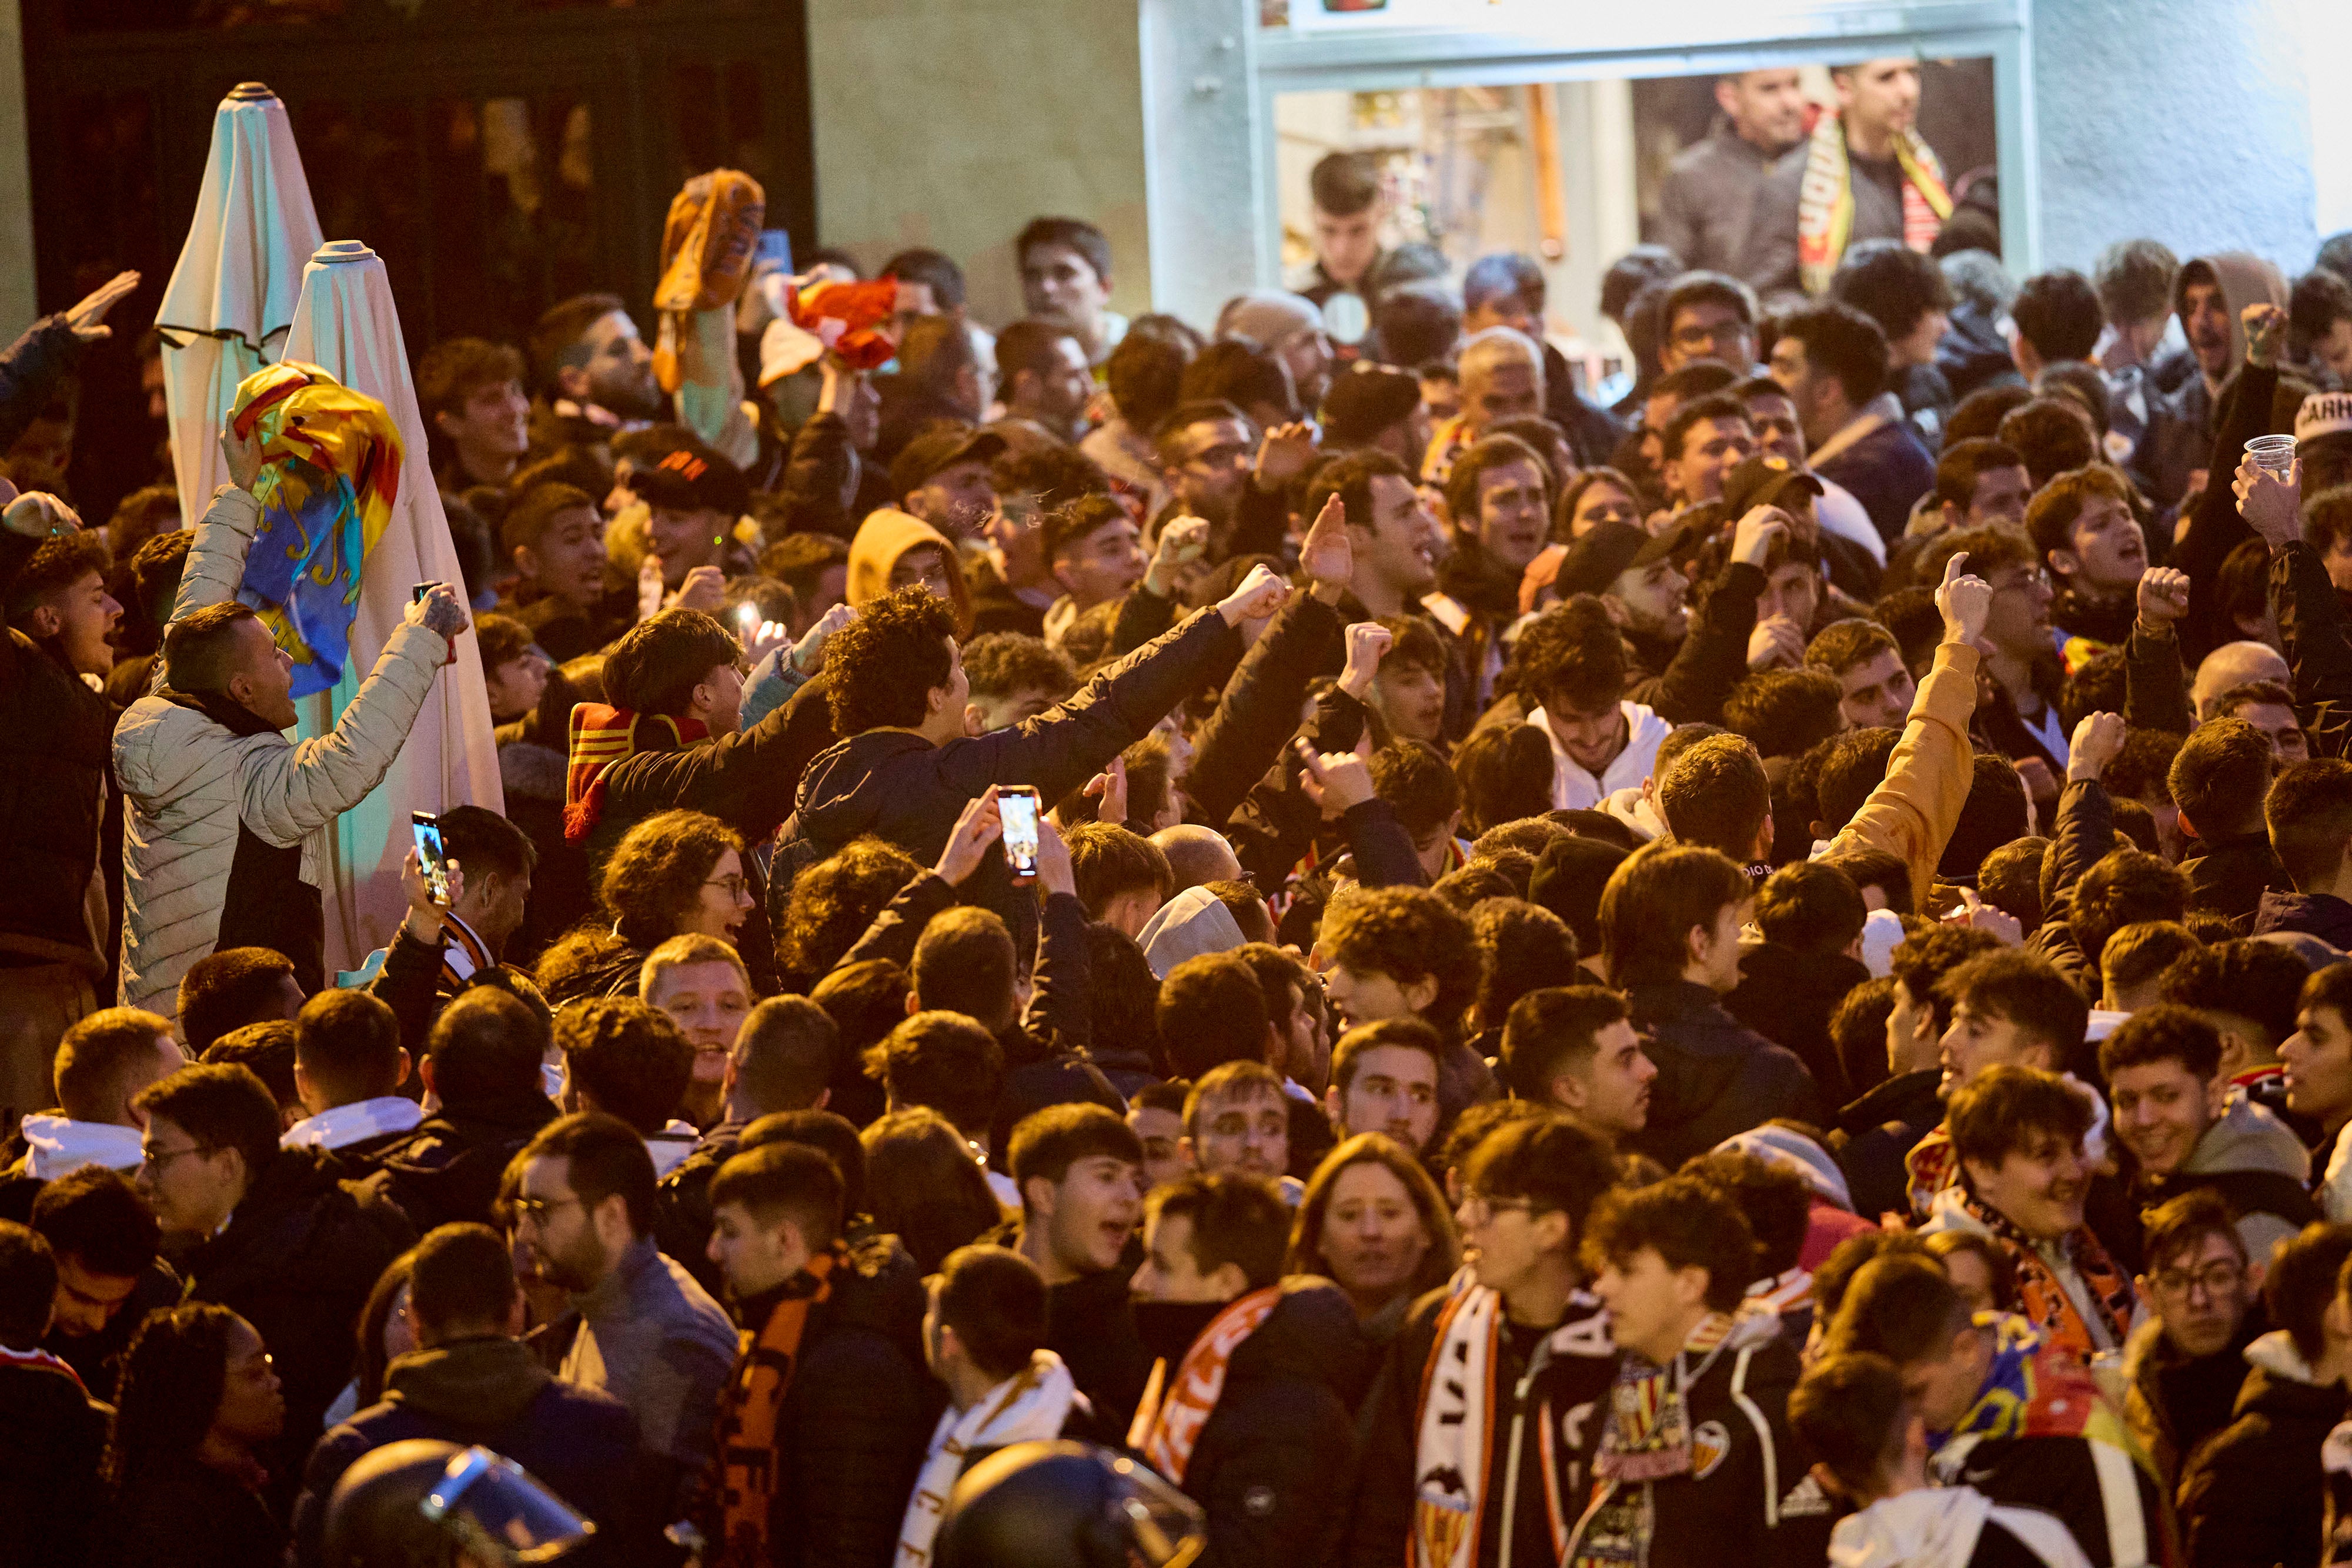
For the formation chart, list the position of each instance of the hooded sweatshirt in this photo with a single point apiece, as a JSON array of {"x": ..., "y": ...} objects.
[
  {"x": 887, "y": 534},
  {"x": 1193, "y": 922},
  {"x": 1942, "y": 1527},
  {"x": 2255, "y": 1495},
  {"x": 1574, "y": 788},
  {"x": 55, "y": 1146},
  {"x": 2257, "y": 1162}
]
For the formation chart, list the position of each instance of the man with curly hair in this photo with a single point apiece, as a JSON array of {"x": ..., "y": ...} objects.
[
  {"x": 898, "y": 689},
  {"x": 1404, "y": 952}
]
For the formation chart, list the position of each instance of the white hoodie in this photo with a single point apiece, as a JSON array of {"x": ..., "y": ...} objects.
[
  {"x": 1573, "y": 788},
  {"x": 1938, "y": 1527},
  {"x": 55, "y": 1146}
]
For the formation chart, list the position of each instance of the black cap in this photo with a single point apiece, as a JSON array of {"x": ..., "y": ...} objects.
[
  {"x": 1594, "y": 561},
  {"x": 689, "y": 476},
  {"x": 942, "y": 446},
  {"x": 1369, "y": 399},
  {"x": 1764, "y": 482}
]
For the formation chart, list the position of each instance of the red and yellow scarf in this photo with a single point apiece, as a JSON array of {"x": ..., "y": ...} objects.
[
  {"x": 1825, "y": 199},
  {"x": 1166, "y": 1426},
  {"x": 602, "y": 734},
  {"x": 749, "y": 1409}
]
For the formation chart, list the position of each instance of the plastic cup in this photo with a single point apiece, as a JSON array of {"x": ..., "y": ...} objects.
[{"x": 2274, "y": 453}]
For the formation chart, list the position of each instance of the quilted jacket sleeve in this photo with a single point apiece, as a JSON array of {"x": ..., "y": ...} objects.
[
  {"x": 217, "y": 554},
  {"x": 288, "y": 793}
]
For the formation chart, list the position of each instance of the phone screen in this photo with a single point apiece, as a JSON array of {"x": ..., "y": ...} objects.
[
  {"x": 429, "y": 854},
  {"x": 1017, "y": 808}
]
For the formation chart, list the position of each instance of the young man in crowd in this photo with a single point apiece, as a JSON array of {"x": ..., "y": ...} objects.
[
  {"x": 2187, "y": 1129},
  {"x": 110, "y": 1274},
  {"x": 1575, "y": 1047},
  {"x": 1832, "y": 359},
  {"x": 2308, "y": 813},
  {"x": 471, "y": 1379},
  {"x": 700, "y": 985},
  {"x": 1854, "y": 1412},
  {"x": 1065, "y": 281},
  {"x": 2083, "y": 524},
  {"x": 2318, "y": 1061},
  {"x": 2011, "y": 1413},
  {"x": 2018, "y": 1135},
  {"x": 273, "y": 1234},
  {"x": 1080, "y": 1169},
  {"x": 2182, "y": 1368},
  {"x": 1043, "y": 377},
  {"x": 1014, "y": 679},
  {"x": 1344, "y": 192},
  {"x": 1673, "y": 1261},
  {"x": 1866, "y": 164},
  {"x": 2257, "y": 1493},
  {"x": 1982, "y": 481},
  {"x": 624, "y": 1059},
  {"x": 2218, "y": 779},
  {"x": 349, "y": 1065},
  {"x": 554, "y": 539},
  {"x": 1875, "y": 687},
  {"x": 482, "y": 1063},
  {"x": 54, "y": 1433},
  {"x": 1249, "y": 1411},
  {"x": 1708, "y": 201},
  {"x": 472, "y": 392},
  {"x": 822, "y": 1423},
  {"x": 984, "y": 1339},
  {"x": 1706, "y": 439},
  {"x": 1670, "y": 920},
  {"x": 1237, "y": 1120},
  {"x": 1454, "y": 1468},
  {"x": 595, "y": 374},
  {"x": 1400, "y": 952},
  {"x": 102, "y": 1064},
  {"x": 639, "y": 1328},
  {"x": 1384, "y": 1080},
  {"x": 1094, "y": 555}
]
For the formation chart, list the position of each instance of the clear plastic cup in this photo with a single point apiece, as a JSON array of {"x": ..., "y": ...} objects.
[{"x": 2274, "y": 453}]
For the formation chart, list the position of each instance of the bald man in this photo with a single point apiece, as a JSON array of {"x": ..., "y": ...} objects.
[
  {"x": 2233, "y": 664},
  {"x": 1196, "y": 855}
]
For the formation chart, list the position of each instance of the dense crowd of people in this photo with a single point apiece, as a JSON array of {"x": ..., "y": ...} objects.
[{"x": 1753, "y": 972}]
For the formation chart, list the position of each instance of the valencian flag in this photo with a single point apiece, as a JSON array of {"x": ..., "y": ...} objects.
[{"x": 329, "y": 478}]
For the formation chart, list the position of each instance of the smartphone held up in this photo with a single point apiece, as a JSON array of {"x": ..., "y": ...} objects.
[{"x": 1017, "y": 810}]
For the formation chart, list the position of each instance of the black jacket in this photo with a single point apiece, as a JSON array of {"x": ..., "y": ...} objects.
[
  {"x": 856, "y": 1418},
  {"x": 1271, "y": 1463},
  {"x": 2321, "y": 915},
  {"x": 446, "y": 1171},
  {"x": 1573, "y": 1364},
  {"x": 1259, "y": 710},
  {"x": 2216, "y": 528},
  {"x": 51, "y": 1438},
  {"x": 1755, "y": 1504},
  {"x": 2317, "y": 641},
  {"x": 184, "y": 1514},
  {"x": 2255, "y": 1495},
  {"x": 2233, "y": 874},
  {"x": 297, "y": 1261},
  {"x": 1715, "y": 1076},
  {"x": 682, "y": 1222},
  {"x": 828, "y": 485},
  {"x": 1878, "y": 1130},
  {"x": 1788, "y": 997},
  {"x": 581, "y": 1442},
  {"x": 56, "y": 768},
  {"x": 30, "y": 370},
  {"x": 1692, "y": 682},
  {"x": 897, "y": 785}
]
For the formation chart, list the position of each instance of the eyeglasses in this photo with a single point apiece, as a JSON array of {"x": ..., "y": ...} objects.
[
  {"x": 732, "y": 886},
  {"x": 2213, "y": 1279},
  {"x": 1482, "y": 1206},
  {"x": 158, "y": 1158},
  {"x": 2034, "y": 581},
  {"x": 535, "y": 1210}
]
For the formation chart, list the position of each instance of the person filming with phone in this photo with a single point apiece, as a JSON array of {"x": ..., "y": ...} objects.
[
  {"x": 224, "y": 818},
  {"x": 897, "y": 689}
]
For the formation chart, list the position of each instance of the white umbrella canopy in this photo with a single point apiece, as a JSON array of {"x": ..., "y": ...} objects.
[
  {"x": 345, "y": 324},
  {"x": 232, "y": 295}
]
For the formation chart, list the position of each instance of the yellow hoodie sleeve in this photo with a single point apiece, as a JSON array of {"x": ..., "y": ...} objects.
[{"x": 1913, "y": 811}]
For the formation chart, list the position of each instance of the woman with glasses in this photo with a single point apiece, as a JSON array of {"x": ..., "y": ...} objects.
[
  {"x": 198, "y": 1395},
  {"x": 674, "y": 873},
  {"x": 1373, "y": 1223}
]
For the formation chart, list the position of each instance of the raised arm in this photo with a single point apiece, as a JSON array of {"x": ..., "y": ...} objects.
[
  {"x": 1913, "y": 811},
  {"x": 2155, "y": 688},
  {"x": 2313, "y": 628},
  {"x": 2215, "y": 529},
  {"x": 225, "y": 533}
]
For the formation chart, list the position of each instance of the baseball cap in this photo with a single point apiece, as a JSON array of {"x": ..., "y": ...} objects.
[
  {"x": 1369, "y": 399},
  {"x": 1764, "y": 481},
  {"x": 1594, "y": 561},
  {"x": 691, "y": 477},
  {"x": 941, "y": 447},
  {"x": 2324, "y": 414}
]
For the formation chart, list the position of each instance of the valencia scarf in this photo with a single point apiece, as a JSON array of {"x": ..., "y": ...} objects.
[
  {"x": 1825, "y": 199},
  {"x": 749, "y": 1409},
  {"x": 1030, "y": 1408},
  {"x": 602, "y": 734},
  {"x": 1166, "y": 1426},
  {"x": 1453, "y": 1446},
  {"x": 2042, "y": 1296}
]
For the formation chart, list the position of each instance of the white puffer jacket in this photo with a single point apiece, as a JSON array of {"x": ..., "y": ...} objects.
[{"x": 187, "y": 781}]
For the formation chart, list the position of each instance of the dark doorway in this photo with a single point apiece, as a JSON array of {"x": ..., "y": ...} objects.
[{"x": 499, "y": 154}]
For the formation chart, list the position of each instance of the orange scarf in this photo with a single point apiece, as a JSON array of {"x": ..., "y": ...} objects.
[
  {"x": 1166, "y": 1429},
  {"x": 601, "y": 735},
  {"x": 749, "y": 1409}
]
